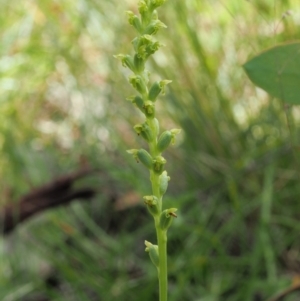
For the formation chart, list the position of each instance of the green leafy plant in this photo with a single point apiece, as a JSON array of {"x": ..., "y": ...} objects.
[
  {"x": 276, "y": 70},
  {"x": 147, "y": 25}
]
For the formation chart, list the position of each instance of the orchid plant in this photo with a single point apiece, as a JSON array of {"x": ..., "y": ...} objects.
[{"x": 147, "y": 25}]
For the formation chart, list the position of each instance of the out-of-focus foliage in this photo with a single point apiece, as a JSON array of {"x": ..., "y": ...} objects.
[
  {"x": 276, "y": 71},
  {"x": 235, "y": 173}
]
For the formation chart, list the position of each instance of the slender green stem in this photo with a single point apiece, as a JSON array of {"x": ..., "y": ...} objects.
[
  {"x": 161, "y": 235},
  {"x": 163, "y": 268}
]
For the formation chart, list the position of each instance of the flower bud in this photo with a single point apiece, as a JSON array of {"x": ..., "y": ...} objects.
[
  {"x": 163, "y": 182},
  {"x": 127, "y": 61},
  {"x": 145, "y": 131},
  {"x": 149, "y": 109},
  {"x": 139, "y": 63},
  {"x": 157, "y": 88},
  {"x": 152, "y": 204},
  {"x": 164, "y": 141},
  {"x": 153, "y": 252},
  {"x": 166, "y": 218},
  {"x": 145, "y": 158},
  {"x": 143, "y": 8},
  {"x": 145, "y": 45},
  {"x": 153, "y": 27},
  {"x": 154, "y": 91},
  {"x": 158, "y": 164},
  {"x": 156, "y": 3},
  {"x": 138, "y": 101},
  {"x": 134, "y": 21},
  {"x": 138, "y": 83},
  {"x": 152, "y": 48}
]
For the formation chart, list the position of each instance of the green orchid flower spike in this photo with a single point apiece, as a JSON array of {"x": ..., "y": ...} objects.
[{"x": 147, "y": 25}]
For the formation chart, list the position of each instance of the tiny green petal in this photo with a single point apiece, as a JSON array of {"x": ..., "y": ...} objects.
[
  {"x": 134, "y": 21},
  {"x": 149, "y": 109},
  {"x": 154, "y": 26},
  {"x": 154, "y": 15},
  {"x": 145, "y": 131},
  {"x": 166, "y": 218},
  {"x": 152, "y": 204},
  {"x": 138, "y": 128},
  {"x": 134, "y": 153},
  {"x": 153, "y": 48},
  {"x": 138, "y": 83},
  {"x": 156, "y": 3},
  {"x": 145, "y": 45},
  {"x": 150, "y": 200},
  {"x": 153, "y": 252},
  {"x": 138, "y": 101},
  {"x": 147, "y": 244},
  {"x": 163, "y": 84},
  {"x": 127, "y": 61},
  {"x": 174, "y": 132},
  {"x": 142, "y": 7},
  {"x": 158, "y": 164},
  {"x": 157, "y": 88}
]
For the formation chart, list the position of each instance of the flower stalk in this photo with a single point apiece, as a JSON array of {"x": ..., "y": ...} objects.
[{"x": 147, "y": 25}]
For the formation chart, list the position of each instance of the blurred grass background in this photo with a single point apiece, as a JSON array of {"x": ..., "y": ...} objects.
[{"x": 234, "y": 171}]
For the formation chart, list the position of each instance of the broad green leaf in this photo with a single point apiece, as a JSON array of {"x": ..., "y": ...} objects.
[{"x": 277, "y": 71}]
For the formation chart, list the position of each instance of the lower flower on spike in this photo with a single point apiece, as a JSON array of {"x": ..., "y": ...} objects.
[
  {"x": 153, "y": 252},
  {"x": 145, "y": 158},
  {"x": 151, "y": 202},
  {"x": 166, "y": 218}
]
